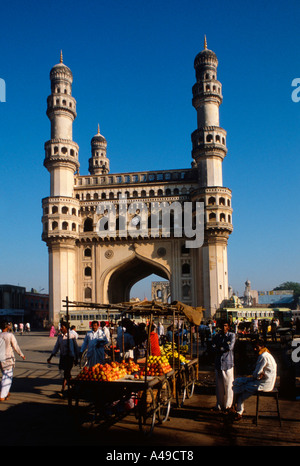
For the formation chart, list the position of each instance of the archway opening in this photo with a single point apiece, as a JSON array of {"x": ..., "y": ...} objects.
[
  {"x": 143, "y": 289},
  {"x": 128, "y": 274}
]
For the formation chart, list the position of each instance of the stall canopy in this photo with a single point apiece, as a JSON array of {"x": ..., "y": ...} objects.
[{"x": 193, "y": 314}]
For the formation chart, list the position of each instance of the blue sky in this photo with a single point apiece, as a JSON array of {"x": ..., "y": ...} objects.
[{"x": 132, "y": 63}]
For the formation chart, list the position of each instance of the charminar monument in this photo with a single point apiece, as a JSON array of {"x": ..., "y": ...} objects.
[{"x": 102, "y": 230}]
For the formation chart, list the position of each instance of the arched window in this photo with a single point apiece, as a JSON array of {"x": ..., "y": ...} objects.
[
  {"x": 211, "y": 200},
  {"x": 73, "y": 226},
  {"x": 185, "y": 269},
  {"x": 212, "y": 217},
  {"x": 88, "y": 293},
  {"x": 64, "y": 210},
  {"x": 65, "y": 225},
  {"x": 88, "y": 252},
  {"x": 88, "y": 272},
  {"x": 54, "y": 225},
  {"x": 186, "y": 291},
  {"x": 88, "y": 225},
  {"x": 222, "y": 218},
  {"x": 54, "y": 209}
]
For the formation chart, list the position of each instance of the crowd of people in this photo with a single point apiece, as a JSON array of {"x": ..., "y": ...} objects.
[
  {"x": 19, "y": 328},
  {"x": 130, "y": 342}
]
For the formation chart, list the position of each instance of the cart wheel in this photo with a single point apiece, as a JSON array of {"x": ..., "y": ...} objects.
[
  {"x": 191, "y": 382},
  {"x": 180, "y": 388},
  {"x": 85, "y": 414},
  {"x": 83, "y": 359},
  {"x": 146, "y": 412},
  {"x": 164, "y": 401}
]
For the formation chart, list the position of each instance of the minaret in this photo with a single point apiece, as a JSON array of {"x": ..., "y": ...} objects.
[
  {"x": 98, "y": 163},
  {"x": 61, "y": 209},
  {"x": 61, "y": 158},
  {"x": 208, "y": 151}
]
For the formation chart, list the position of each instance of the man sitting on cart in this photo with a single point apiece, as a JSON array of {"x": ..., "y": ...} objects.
[{"x": 95, "y": 341}]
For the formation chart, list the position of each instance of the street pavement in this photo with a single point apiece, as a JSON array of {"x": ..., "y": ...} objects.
[{"x": 35, "y": 415}]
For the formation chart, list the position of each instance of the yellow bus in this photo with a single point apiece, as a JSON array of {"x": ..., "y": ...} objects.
[{"x": 284, "y": 315}]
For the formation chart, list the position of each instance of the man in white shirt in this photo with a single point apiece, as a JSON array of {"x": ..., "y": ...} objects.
[{"x": 262, "y": 379}]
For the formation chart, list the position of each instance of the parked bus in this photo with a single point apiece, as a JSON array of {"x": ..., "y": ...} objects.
[
  {"x": 82, "y": 319},
  {"x": 284, "y": 315}
]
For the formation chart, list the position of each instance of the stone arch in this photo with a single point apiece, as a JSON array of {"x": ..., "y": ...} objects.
[{"x": 121, "y": 278}]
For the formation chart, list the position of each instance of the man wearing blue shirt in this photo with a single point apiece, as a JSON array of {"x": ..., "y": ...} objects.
[{"x": 223, "y": 344}]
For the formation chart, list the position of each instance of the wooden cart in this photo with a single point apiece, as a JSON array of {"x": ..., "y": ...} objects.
[
  {"x": 179, "y": 382},
  {"x": 103, "y": 402}
]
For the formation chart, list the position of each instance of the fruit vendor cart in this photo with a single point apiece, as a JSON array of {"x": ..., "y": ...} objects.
[
  {"x": 140, "y": 390},
  {"x": 107, "y": 392},
  {"x": 103, "y": 402}
]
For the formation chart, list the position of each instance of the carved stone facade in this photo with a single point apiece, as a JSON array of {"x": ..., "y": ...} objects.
[{"x": 91, "y": 267}]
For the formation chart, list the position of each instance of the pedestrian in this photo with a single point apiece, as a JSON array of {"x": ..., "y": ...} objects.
[
  {"x": 8, "y": 361},
  {"x": 21, "y": 327},
  {"x": 262, "y": 379},
  {"x": 15, "y": 328},
  {"x": 255, "y": 325},
  {"x": 27, "y": 327},
  {"x": 73, "y": 330},
  {"x": 160, "y": 332},
  {"x": 169, "y": 334},
  {"x": 264, "y": 329},
  {"x": 105, "y": 329},
  {"x": 94, "y": 342},
  {"x": 154, "y": 342},
  {"x": 202, "y": 333},
  {"x": 52, "y": 331},
  {"x": 66, "y": 345},
  {"x": 223, "y": 345},
  {"x": 274, "y": 330},
  {"x": 125, "y": 339}
]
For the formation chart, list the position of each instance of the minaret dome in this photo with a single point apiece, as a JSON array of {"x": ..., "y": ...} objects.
[{"x": 98, "y": 163}]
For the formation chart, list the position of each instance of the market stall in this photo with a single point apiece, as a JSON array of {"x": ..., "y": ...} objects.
[{"x": 144, "y": 386}]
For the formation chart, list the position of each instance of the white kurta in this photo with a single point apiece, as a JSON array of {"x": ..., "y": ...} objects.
[
  {"x": 11, "y": 346},
  {"x": 265, "y": 365},
  {"x": 244, "y": 387}
]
